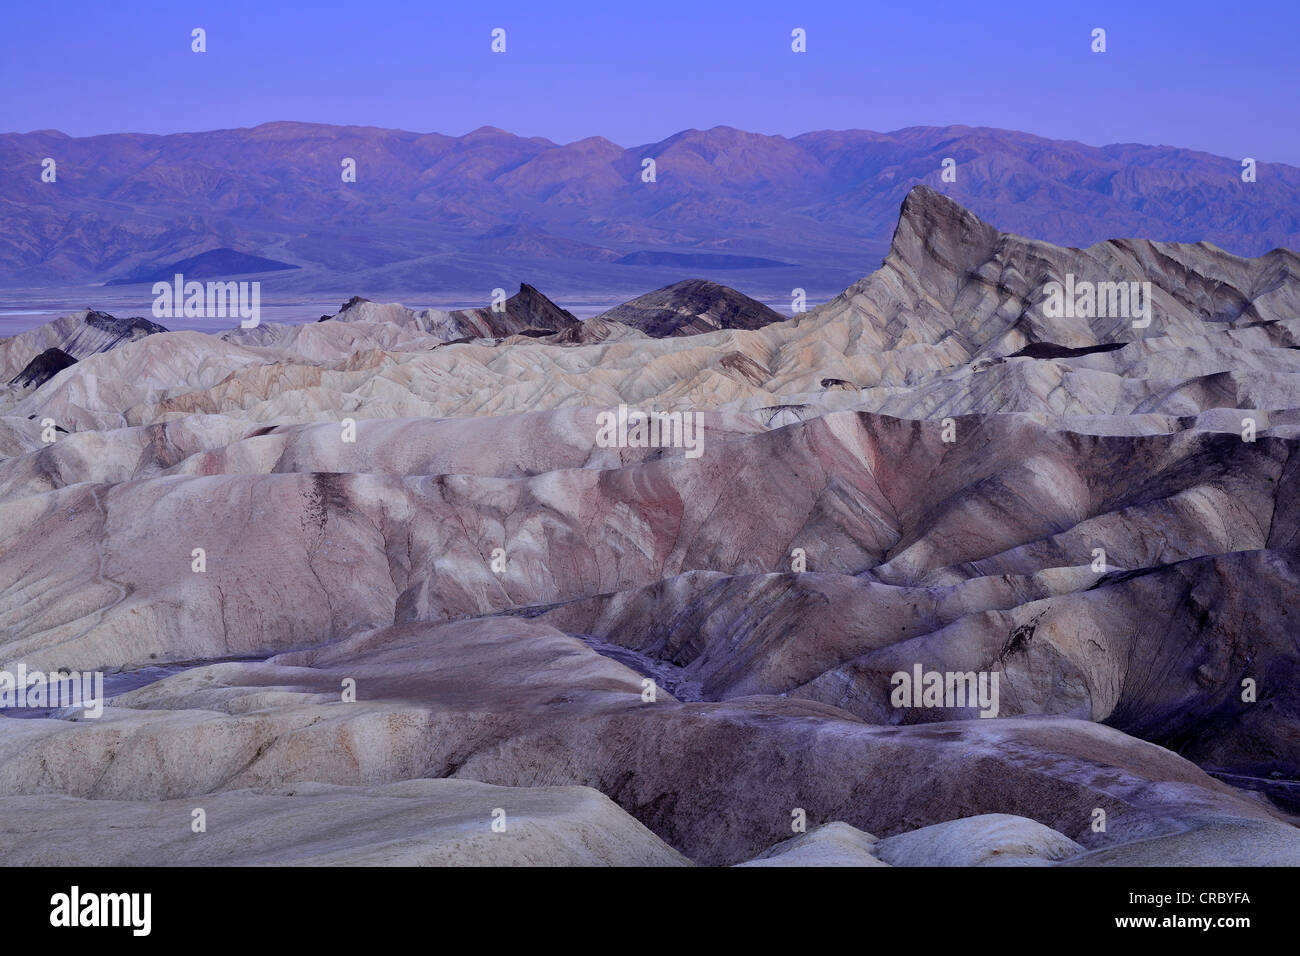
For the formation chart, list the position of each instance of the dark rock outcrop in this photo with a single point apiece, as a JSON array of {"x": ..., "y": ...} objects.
[
  {"x": 692, "y": 307},
  {"x": 43, "y": 368}
]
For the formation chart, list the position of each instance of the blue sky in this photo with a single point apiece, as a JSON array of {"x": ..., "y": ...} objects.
[{"x": 1206, "y": 75}]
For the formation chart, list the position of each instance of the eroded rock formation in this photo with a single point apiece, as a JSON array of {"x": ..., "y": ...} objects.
[{"x": 420, "y": 506}]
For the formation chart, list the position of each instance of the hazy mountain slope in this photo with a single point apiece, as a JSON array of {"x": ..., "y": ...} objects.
[{"x": 489, "y": 209}]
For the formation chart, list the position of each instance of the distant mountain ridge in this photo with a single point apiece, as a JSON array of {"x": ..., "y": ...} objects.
[
  {"x": 490, "y": 209},
  {"x": 215, "y": 263}
]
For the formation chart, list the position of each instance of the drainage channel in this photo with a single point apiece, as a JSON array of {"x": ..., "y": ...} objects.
[
  {"x": 128, "y": 679},
  {"x": 668, "y": 676}
]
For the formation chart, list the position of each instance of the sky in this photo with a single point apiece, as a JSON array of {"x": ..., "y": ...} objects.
[{"x": 1216, "y": 76}]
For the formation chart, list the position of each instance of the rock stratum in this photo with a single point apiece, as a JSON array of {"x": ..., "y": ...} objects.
[{"x": 377, "y": 589}]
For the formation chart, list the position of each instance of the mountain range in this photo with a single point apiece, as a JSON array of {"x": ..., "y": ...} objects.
[{"x": 430, "y": 213}]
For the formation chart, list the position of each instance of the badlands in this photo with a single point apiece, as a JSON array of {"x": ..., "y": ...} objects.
[{"x": 370, "y": 591}]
